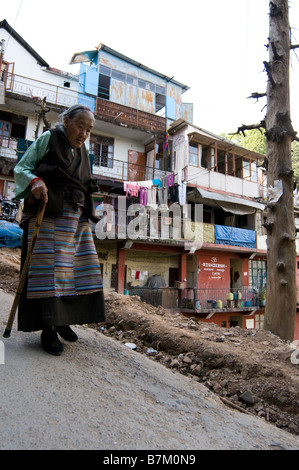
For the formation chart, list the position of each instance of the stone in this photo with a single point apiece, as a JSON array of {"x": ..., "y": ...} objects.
[
  {"x": 174, "y": 363},
  {"x": 187, "y": 360},
  {"x": 197, "y": 370},
  {"x": 217, "y": 387},
  {"x": 248, "y": 398}
]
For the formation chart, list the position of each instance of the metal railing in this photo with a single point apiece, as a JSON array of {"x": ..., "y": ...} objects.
[
  {"x": 105, "y": 109},
  {"x": 198, "y": 300},
  {"x": 37, "y": 89},
  {"x": 13, "y": 147},
  {"x": 127, "y": 171},
  {"x": 212, "y": 298}
]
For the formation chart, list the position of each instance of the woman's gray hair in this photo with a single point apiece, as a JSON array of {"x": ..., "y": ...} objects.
[{"x": 72, "y": 112}]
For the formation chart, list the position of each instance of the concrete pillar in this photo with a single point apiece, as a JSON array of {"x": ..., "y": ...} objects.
[{"x": 121, "y": 259}]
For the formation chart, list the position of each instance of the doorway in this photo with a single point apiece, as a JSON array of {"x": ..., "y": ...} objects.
[
  {"x": 136, "y": 166},
  {"x": 236, "y": 280},
  {"x": 236, "y": 321}
]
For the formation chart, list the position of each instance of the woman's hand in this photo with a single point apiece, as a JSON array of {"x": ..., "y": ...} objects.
[{"x": 39, "y": 189}]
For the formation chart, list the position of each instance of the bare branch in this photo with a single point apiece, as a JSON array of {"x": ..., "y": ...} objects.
[
  {"x": 294, "y": 46},
  {"x": 257, "y": 95},
  {"x": 250, "y": 127}
]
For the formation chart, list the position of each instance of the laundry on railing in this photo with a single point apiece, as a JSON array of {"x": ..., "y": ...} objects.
[
  {"x": 143, "y": 196},
  {"x": 157, "y": 191},
  {"x": 131, "y": 189}
]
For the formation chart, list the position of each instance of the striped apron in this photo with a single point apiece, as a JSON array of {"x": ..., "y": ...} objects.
[{"x": 64, "y": 278}]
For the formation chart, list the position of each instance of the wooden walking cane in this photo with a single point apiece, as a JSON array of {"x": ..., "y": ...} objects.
[{"x": 24, "y": 272}]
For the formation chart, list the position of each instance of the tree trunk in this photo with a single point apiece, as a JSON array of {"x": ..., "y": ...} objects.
[{"x": 281, "y": 280}]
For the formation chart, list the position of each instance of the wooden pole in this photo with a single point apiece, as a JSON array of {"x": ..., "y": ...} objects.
[
  {"x": 24, "y": 272},
  {"x": 281, "y": 294}
]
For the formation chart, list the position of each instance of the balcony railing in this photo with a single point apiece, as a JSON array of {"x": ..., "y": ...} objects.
[
  {"x": 220, "y": 234},
  {"x": 104, "y": 109},
  {"x": 13, "y": 147},
  {"x": 127, "y": 116},
  {"x": 202, "y": 300},
  {"x": 127, "y": 171},
  {"x": 244, "y": 297},
  {"x": 37, "y": 89}
]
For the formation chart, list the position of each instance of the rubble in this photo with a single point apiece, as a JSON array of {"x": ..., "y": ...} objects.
[{"x": 250, "y": 370}]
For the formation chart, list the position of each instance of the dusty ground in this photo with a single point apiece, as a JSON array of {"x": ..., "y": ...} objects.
[{"x": 250, "y": 370}]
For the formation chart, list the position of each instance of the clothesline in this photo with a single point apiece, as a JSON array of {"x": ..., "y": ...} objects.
[{"x": 157, "y": 192}]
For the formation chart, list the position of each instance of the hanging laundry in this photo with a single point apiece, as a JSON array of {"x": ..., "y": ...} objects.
[
  {"x": 152, "y": 197},
  {"x": 174, "y": 193},
  {"x": 170, "y": 179},
  {"x": 132, "y": 189},
  {"x": 144, "y": 184},
  {"x": 157, "y": 182},
  {"x": 143, "y": 196},
  {"x": 182, "y": 193},
  {"x": 162, "y": 196},
  {"x": 165, "y": 182}
]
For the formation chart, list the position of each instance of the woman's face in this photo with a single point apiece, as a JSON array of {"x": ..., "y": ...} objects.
[{"x": 78, "y": 129}]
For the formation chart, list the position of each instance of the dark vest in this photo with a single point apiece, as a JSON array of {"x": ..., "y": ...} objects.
[{"x": 67, "y": 175}]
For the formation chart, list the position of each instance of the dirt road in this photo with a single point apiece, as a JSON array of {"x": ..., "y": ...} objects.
[{"x": 100, "y": 394}]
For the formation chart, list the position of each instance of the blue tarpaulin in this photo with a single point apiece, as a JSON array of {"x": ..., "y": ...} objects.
[
  {"x": 235, "y": 236},
  {"x": 10, "y": 234}
]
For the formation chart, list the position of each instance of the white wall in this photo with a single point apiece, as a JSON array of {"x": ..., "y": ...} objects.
[{"x": 120, "y": 163}]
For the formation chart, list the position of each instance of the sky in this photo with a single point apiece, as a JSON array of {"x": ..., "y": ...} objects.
[{"x": 215, "y": 47}]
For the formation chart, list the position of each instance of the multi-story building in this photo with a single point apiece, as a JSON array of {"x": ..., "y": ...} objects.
[{"x": 181, "y": 209}]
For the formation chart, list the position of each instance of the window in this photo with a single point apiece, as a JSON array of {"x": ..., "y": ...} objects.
[
  {"x": 246, "y": 169},
  {"x": 259, "y": 321},
  {"x": 119, "y": 75},
  {"x": 5, "y": 128},
  {"x": 208, "y": 157},
  {"x": 253, "y": 171},
  {"x": 221, "y": 164},
  {"x": 160, "y": 102},
  {"x": 257, "y": 274},
  {"x": 230, "y": 164},
  {"x": 104, "y": 87},
  {"x": 193, "y": 155},
  {"x": 103, "y": 150}
]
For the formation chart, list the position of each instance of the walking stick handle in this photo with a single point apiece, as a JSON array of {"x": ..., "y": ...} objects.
[{"x": 24, "y": 272}]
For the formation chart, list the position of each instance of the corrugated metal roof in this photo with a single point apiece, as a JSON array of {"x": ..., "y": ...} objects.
[
  {"x": 76, "y": 58},
  {"x": 225, "y": 198}
]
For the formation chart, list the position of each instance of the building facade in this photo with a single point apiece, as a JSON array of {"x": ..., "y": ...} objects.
[{"x": 181, "y": 209}]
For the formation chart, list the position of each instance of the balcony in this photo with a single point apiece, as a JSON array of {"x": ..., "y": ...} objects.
[
  {"x": 164, "y": 224},
  {"x": 129, "y": 117},
  {"x": 126, "y": 171},
  {"x": 32, "y": 89},
  {"x": 220, "y": 235},
  {"x": 210, "y": 300},
  {"x": 202, "y": 301},
  {"x": 13, "y": 148},
  {"x": 105, "y": 110}
]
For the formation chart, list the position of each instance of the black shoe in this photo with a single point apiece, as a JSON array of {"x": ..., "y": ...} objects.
[
  {"x": 50, "y": 341},
  {"x": 67, "y": 333}
]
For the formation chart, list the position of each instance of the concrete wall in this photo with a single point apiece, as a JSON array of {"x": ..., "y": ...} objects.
[
  {"x": 130, "y": 94},
  {"x": 150, "y": 262}
]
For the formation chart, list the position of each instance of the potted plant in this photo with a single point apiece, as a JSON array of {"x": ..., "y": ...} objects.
[{"x": 262, "y": 297}]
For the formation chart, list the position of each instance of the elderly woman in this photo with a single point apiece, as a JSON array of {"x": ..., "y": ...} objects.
[{"x": 64, "y": 285}]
